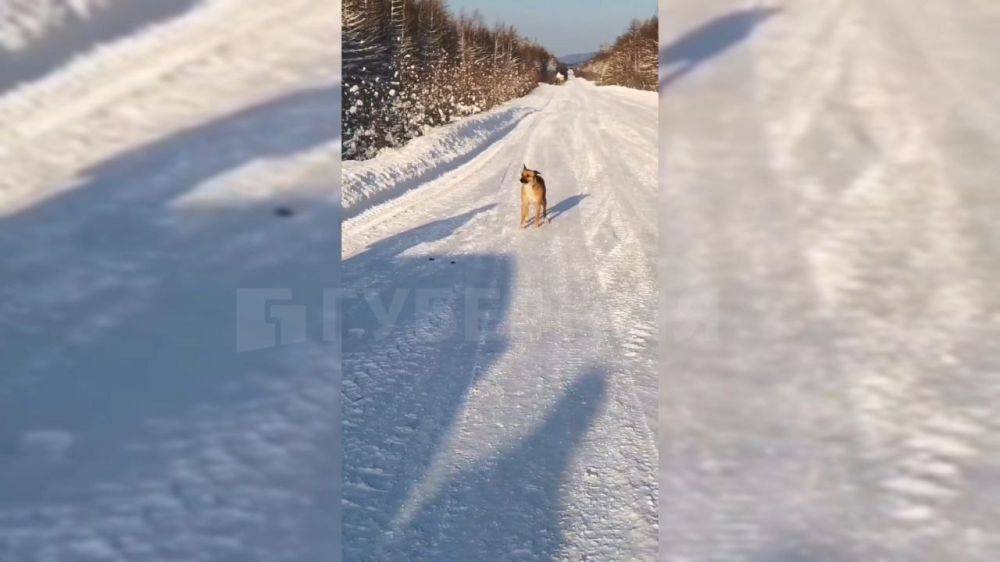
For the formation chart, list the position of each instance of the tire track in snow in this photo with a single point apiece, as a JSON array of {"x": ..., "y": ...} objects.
[
  {"x": 890, "y": 260},
  {"x": 923, "y": 472}
]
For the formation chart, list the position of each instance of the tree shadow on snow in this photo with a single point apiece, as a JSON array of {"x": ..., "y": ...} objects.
[{"x": 709, "y": 40}]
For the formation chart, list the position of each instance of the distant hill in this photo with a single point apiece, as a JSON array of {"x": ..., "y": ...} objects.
[{"x": 578, "y": 58}]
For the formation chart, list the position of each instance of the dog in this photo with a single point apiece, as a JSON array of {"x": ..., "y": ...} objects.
[{"x": 532, "y": 193}]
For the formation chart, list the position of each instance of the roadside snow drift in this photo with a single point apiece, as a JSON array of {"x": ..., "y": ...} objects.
[{"x": 367, "y": 183}]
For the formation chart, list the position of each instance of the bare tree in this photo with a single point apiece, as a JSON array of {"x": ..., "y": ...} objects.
[
  {"x": 632, "y": 61},
  {"x": 409, "y": 64}
]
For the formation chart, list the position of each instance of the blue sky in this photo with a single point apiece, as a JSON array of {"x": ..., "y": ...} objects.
[{"x": 562, "y": 26}]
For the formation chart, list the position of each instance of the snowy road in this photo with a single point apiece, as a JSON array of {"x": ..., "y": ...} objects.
[
  {"x": 830, "y": 232},
  {"x": 136, "y": 197},
  {"x": 531, "y": 437}
]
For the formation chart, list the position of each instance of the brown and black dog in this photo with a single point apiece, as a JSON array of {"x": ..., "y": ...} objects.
[{"x": 532, "y": 193}]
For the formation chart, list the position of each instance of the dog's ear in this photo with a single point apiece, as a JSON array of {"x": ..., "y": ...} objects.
[{"x": 524, "y": 167}]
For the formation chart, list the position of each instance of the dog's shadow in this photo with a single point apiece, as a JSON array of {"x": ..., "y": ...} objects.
[{"x": 565, "y": 205}]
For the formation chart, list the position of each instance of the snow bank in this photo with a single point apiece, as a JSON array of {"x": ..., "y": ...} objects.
[
  {"x": 367, "y": 183},
  {"x": 119, "y": 74},
  {"x": 39, "y": 36}
]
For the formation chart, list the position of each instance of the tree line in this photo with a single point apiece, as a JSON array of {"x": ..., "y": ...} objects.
[
  {"x": 411, "y": 64},
  {"x": 632, "y": 60}
]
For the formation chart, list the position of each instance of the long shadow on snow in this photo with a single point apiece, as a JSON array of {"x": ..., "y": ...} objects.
[
  {"x": 77, "y": 36},
  {"x": 113, "y": 304},
  {"x": 508, "y": 508},
  {"x": 404, "y": 386},
  {"x": 565, "y": 205},
  {"x": 709, "y": 40}
]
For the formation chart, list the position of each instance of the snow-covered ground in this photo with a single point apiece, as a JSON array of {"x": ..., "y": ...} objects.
[
  {"x": 40, "y": 36},
  {"x": 509, "y": 411},
  {"x": 137, "y": 195},
  {"x": 830, "y": 263}
]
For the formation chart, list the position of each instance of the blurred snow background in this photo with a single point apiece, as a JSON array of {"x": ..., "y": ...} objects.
[{"x": 144, "y": 148}]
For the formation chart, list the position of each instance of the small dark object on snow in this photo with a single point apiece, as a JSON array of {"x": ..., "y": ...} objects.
[
  {"x": 283, "y": 212},
  {"x": 431, "y": 259},
  {"x": 452, "y": 261}
]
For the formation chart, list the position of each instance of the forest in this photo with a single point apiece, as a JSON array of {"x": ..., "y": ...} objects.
[
  {"x": 411, "y": 64},
  {"x": 632, "y": 60}
]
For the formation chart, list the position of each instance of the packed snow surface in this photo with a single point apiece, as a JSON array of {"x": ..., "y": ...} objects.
[
  {"x": 512, "y": 416},
  {"x": 138, "y": 192},
  {"x": 831, "y": 251}
]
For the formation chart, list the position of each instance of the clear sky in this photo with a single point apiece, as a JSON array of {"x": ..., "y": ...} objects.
[{"x": 564, "y": 27}]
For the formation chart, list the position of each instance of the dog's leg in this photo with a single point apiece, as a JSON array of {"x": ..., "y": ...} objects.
[
  {"x": 525, "y": 207},
  {"x": 543, "y": 210}
]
